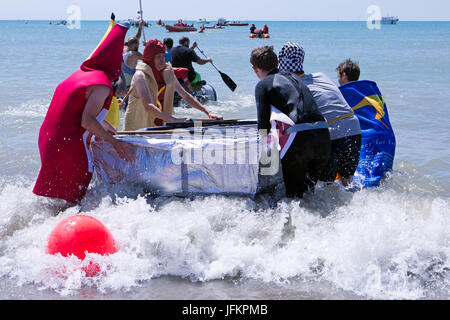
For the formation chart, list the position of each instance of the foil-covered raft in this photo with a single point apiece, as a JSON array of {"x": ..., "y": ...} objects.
[{"x": 207, "y": 160}]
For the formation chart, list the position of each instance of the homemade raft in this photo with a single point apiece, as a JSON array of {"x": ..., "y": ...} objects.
[{"x": 213, "y": 159}]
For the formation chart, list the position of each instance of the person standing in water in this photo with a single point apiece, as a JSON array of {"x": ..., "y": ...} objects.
[
  {"x": 377, "y": 135},
  {"x": 183, "y": 56},
  {"x": 169, "y": 45},
  {"x": 131, "y": 55},
  {"x": 75, "y": 114},
  {"x": 345, "y": 131},
  {"x": 286, "y": 109},
  {"x": 153, "y": 87}
]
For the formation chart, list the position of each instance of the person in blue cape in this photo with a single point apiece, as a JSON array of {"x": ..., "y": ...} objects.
[{"x": 377, "y": 137}]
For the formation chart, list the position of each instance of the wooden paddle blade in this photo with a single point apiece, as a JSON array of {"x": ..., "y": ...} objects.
[{"x": 228, "y": 81}]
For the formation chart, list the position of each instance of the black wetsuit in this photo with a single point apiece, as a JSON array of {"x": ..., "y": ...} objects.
[
  {"x": 308, "y": 154},
  {"x": 182, "y": 57}
]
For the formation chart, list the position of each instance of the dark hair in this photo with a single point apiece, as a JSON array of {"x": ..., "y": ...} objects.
[
  {"x": 131, "y": 41},
  {"x": 168, "y": 42},
  {"x": 183, "y": 40},
  {"x": 350, "y": 68},
  {"x": 264, "y": 58}
]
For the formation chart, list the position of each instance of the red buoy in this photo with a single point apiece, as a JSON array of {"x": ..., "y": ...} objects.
[{"x": 80, "y": 234}]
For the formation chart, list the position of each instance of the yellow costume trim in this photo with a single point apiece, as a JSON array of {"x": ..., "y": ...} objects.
[
  {"x": 375, "y": 102},
  {"x": 341, "y": 117},
  {"x": 113, "y": 113},
  {"x": 111, "y": 25},
  {"x": 157, "y": 100}
]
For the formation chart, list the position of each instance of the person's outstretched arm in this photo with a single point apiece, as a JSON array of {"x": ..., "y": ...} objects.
[
  {"x": 89, "y": 121},
  {"x": 139, "y": 32},
  {"x": 194, "y": 103},
  {"x": 148, "y": 102}
]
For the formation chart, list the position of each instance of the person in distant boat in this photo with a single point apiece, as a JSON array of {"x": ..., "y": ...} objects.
[
  {"x": 131, "y": 55},
  {"x": 169, "y": 45},
  {"x": 252, "y": 28},
  {"x": 259, "y": 32},
  {"x": 183, "y": 56},
  {"x": 286, "y": 109},
  {"x": 266, "y": 29},
  {"x": 345, "y": 131},
  {"x": 75, "y": 114},
  {"x": 153, "y": 87},
  {"x": 378, "y": 138}
]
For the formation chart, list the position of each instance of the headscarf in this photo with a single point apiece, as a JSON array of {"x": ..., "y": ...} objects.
[
  {"x": 153, "y": 48},
  {"x": 107, "y": 57},
  {"x": 291, "y": 57}
]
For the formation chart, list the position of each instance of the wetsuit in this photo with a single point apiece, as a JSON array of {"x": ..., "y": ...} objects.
[{"x": 283, "y": 104}]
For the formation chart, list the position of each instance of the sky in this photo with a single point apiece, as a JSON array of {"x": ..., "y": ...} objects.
[{"x": 290, "y": 10}]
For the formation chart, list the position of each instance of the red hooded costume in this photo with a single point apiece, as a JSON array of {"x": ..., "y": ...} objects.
[
  {"x": 66, "y": 167},
  {"x": 153, "y": 48}
]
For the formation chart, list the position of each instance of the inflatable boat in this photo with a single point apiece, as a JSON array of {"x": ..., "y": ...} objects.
[
  {"x": 259, "y": 35},
  {"x": 173, "y": 28},
  {"x": 237, "y": 24}
]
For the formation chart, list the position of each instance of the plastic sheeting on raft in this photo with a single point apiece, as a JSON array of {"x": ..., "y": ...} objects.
[{"x": 208, "y": 160}]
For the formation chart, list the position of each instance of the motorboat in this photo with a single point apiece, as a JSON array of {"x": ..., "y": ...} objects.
[
  {"x": 203, "y": 21},
  {"x": 175, "y": 28},
  {"x": 389, "y": 20}
]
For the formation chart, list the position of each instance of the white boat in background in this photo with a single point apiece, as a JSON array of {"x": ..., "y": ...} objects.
[
  {"x": 221, "y": 21},
  {"x": 203, "y": 20},
  {"x": 389, "y": 20}
]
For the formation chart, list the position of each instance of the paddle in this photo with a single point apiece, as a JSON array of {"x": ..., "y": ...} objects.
[
  {"x": 208, "y": 123},
  {"x": 190, "y": 124},
  {"x": 228, "y": 81},
  {"x": 142, "y": 19}
]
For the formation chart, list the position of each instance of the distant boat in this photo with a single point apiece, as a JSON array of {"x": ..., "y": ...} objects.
[
  {"x": 221, "y": 21},
  {"x": 174, "y": 28},
  {"x": 135, "y": 22},
  {"x": 61, "y": 23},
  {"x": 203, "y": 20},
  {"x": 236, "y": 23},
  {"x": 389, "y": 20},
  {"x": 215, "y": 27}
]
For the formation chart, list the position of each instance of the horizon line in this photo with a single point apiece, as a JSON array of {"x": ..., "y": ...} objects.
[{"x": 240, "y": 20}]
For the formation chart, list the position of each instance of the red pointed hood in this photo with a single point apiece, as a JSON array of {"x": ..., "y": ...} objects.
[
  {"x": 152, "y": 48},
  {"x": 107, "y": 57}
]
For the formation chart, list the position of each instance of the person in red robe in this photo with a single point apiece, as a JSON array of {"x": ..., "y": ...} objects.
[{"x": 76, "y": 113}]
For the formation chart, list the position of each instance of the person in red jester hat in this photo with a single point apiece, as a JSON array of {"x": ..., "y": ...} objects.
[
  {"x": 75, "y": 115},
  {"x": 152, "y": 91}
]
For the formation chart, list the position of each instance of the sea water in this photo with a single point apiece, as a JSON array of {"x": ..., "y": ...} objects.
[{"x": 389, "y": 242}]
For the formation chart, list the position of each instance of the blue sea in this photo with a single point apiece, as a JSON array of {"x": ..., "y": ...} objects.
[{"x": 389, "y": 242}]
